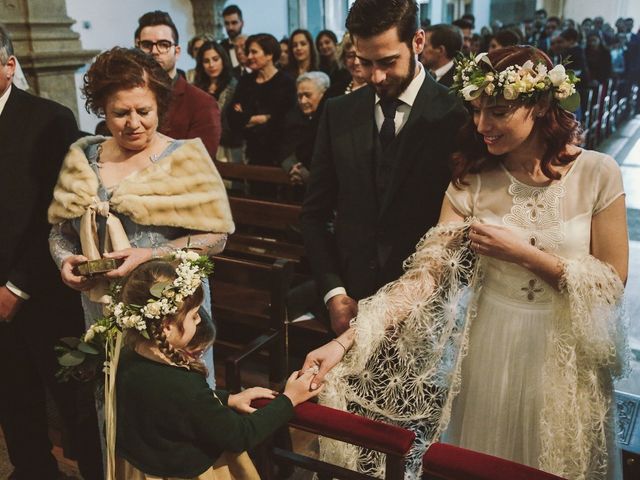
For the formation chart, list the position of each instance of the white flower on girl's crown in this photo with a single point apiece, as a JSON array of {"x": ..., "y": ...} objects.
[
  {"x": 471, "y": 92},
  {"x": 557, "y": 75},
  {"x": 565, "y": 90}
]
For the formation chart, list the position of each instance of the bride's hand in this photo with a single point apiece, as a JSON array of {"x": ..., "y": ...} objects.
[
  {"x": 132, "y": 258},
  {"x": 323, "y": 359},
  {"x": 498, "y": 242}
]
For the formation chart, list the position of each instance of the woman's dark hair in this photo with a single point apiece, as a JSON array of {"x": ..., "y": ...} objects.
[
  {"x": 368, "y": 18},
  {"x": 135, "y": 290},
  {"x": 506, "y": 38},
  {"x": 267, "y": 42},
  {"x": 326, "y": 33},
  {"x": 202, "y": 80},
  {"x": 123, "y": 69},
  {"x": 557, "y": 127},
  {"x": 313, "y": 55}
]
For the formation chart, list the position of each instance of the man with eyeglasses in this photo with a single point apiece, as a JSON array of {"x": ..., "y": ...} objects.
[{"x": 192, "y": 113}]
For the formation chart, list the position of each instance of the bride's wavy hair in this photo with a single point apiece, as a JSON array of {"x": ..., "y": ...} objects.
[{"x": 557, "y": 127}]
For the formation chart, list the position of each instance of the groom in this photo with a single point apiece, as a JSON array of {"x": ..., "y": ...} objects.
[{"x": 381, "y": 161}]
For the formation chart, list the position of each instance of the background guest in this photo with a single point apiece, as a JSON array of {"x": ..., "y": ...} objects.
[
  {"x": 302, "y": 53},
  {"x": 503, "y": 38},
  {"x": 598, "y": 59},
  {"x": 233, "y": 23},
  {"x": 327, "y": 46},
  {"x": 442, "y": 44},
  {"x": 214, "y": 75},
  {"x": 301, "y": 126},
  {"x": 192, "y": 48},
  {"x": 241, "y": 54},
  {"x": 352, "y": 76},
  {"x": 284, "y": 53},
  {"x": 262, "y": 100},
  {"x": 192, "y": 113}
]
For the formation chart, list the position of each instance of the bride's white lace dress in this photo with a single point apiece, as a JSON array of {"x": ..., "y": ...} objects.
[{"x": 499, "y": 409}]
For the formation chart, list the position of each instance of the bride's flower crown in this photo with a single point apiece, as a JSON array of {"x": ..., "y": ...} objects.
[{"x": 477, "y": 76}]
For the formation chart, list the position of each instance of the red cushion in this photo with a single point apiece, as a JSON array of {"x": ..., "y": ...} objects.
[
  {"x": 349, "y": 428},
  {"x": 447, "y": 462}
]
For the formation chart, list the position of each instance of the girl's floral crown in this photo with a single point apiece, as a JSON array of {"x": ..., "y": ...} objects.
[
  {"x": 477, "y": 76},
  {"x": 165, "y": 299}
]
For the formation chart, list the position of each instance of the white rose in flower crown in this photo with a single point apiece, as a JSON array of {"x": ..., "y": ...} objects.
[
  {"x": 468, "y": 92},
  {"x": 511, "y": 92},
  {"x": 564, "y": 91},
  {"x": 168, "y": 293},
  {"x": 153, "y": 309},
  {"x": 489, "y": 77},
  {"x": 557, "y": 75}
]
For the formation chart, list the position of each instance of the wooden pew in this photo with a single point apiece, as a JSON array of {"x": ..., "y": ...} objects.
[{"x": 248, "y": 300}]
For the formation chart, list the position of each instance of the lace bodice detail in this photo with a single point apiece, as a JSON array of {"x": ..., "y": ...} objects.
[{"x": 555, "y": 218}]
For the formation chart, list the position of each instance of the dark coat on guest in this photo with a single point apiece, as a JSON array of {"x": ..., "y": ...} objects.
[
  {"x": 193, "y": 114},
  {"x": 447, "y": 79},
  {"x": 375, "y": 232},
  {"x": 35, "y": 135}
]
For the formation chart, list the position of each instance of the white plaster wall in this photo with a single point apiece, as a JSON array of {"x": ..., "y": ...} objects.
[
  {"x": 263, "y": 16},
  {"x": 609, "y": 10}
]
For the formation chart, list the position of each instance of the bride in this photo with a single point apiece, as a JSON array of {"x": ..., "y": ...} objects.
[{"x": 520, "y": 363}]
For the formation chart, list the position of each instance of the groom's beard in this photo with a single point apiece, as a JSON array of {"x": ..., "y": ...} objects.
[{"x": 396, "y": 86}]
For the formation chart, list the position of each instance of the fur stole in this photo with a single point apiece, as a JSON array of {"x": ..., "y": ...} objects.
[{"x": 183, "y": 189}]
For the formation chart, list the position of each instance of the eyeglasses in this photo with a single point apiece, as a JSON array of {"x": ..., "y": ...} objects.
[{"x": 163, "y": 46}]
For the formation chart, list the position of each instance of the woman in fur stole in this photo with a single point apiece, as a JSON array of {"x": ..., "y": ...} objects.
[
  {"x": 506, "y": 330},
  {"x": 138, "y": 194}
]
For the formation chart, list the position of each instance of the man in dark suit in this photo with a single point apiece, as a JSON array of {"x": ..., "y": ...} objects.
[
  {"x": 192, "y": 113},
  {"x": 381, "y": 161},
  {"x": 442, "y": 43},
  {"x": 36, "y": 309},
  {"x": 233, "y": 23}
]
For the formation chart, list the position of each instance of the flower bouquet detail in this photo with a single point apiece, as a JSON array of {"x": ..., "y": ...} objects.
[
  {"x": 82, "y": 358},
  {"x": 476, "y": 76}
]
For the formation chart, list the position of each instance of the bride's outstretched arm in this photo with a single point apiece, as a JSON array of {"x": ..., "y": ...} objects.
[{"x": 328, "y": 356}]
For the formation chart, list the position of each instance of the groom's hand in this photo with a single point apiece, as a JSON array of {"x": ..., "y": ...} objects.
[{"x": 342, "y": 309}]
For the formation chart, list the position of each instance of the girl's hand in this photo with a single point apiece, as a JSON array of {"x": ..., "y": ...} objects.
[
  {"x": 241, "y": 402},
  {"x": 77, "y": 282},
  {"x": 237, "y": 107},
  {"x": 498, "y": 242},
  {"x": 132, "y": 258},
  {"x": 298, "y": 389}
]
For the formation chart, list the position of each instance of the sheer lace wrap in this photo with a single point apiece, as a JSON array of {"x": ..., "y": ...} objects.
[
  {"x": 412, "y": 335},
  {"x": 404, "y": 367}
]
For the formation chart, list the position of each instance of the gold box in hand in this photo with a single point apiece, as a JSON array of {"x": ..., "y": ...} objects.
[{"x": 97, "y": 267}]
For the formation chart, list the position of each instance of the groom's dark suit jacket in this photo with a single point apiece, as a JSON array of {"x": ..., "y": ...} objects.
[{"x": 376, "y": 228}]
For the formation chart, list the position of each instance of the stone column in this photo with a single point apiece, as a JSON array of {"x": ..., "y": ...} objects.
[
  {"x": 48, "y": 50},
  {"x": 207, "y": 17}
]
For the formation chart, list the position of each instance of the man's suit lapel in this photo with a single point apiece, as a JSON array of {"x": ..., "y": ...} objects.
[
  {"x": 415, "y": 134},
  {"x": 12, "y": 117},
  {"x": 362, "y": 136}
]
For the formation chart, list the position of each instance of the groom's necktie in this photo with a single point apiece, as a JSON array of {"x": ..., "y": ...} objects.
[{"x": 388, "y": 129}]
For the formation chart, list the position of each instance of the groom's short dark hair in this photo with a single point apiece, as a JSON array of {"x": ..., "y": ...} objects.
[{"x": 368, "y": 18}]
